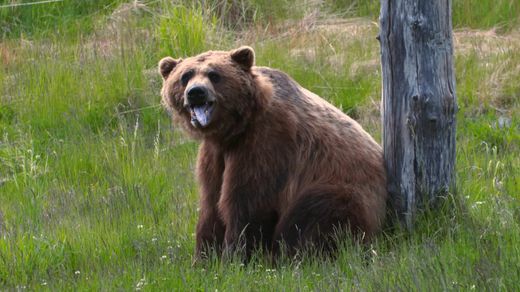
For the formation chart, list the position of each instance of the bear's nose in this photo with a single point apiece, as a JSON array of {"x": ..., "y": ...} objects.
[{"x": 197, "y": 95}]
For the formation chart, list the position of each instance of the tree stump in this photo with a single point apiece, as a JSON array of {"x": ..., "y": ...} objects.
[{"x": 419, "y": 102}]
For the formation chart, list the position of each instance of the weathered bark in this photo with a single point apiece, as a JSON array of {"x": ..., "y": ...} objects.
[{"x": 419, "y": 102}]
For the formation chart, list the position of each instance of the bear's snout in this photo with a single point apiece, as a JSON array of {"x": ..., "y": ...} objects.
[{"x": 197, "y": 95}]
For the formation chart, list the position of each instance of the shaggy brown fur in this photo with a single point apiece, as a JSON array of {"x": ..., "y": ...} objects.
[{"x": 278, "y": 165}]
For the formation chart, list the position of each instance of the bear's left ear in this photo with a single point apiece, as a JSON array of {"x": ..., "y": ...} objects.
[
  {"x": 245, "y": 56},
  {"x": 166, "y": 66}
]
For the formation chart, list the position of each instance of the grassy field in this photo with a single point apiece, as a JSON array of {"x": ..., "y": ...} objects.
[{"x": 96, "y": 185}]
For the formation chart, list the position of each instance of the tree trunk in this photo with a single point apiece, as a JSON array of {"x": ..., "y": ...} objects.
[{"x": 419, "y": 102}]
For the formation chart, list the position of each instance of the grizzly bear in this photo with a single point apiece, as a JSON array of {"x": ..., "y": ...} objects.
[{"x": 279, "y": 168}]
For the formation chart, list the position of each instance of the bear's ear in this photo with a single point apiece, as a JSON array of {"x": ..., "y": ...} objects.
[
  {"x": 245, "y": 56},
  {"x": 166, "y": 66}
]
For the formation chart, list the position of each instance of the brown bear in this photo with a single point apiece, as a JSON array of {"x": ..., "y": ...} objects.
[{"x": 279, "y": 168}]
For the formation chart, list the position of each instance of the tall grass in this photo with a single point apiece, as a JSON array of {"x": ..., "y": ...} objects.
[
  {"x": 97, "y": 188},
  {"x": 185, "y": 31},
  {"x": 72, "y": 18}
]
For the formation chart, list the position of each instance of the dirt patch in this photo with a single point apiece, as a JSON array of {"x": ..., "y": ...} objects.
[
  {"x": 497, "y": 57},
  {"x": 6, "y": 55},
  {"x": 350, "y": 28},
  {"x": 485, "y": 42},
  {"x": 2, "y": 224}
]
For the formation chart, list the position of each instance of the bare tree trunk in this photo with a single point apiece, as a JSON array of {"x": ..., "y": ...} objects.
[{"x": 419, "y": 102}]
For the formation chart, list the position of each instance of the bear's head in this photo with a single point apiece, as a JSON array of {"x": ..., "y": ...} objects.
[{"x": 214, "y": 93}]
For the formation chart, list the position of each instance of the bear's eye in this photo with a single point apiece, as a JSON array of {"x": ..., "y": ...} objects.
[
  {"x": 213, "y": 76},
  {"x": 186, "y": 77}
]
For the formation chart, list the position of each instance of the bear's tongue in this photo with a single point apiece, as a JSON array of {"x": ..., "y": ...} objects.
[{"x": 202, "y": 114}]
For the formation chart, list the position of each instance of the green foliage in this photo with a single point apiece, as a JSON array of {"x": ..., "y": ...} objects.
[
  {"x": 486, "y": 14},
  {"x": 42, "y": 20},
  {"x": 97, "y": 188},
  {"x": 184, "y": 31}
]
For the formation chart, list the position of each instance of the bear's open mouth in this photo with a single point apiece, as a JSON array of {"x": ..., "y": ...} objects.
[{"x": 201, "y": 114}]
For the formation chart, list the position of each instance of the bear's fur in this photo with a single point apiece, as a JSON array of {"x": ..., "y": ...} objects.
[{"x": 278, "y": 165}]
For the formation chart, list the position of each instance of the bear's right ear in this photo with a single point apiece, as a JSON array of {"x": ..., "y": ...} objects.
[
  {"x": 245, "y": 56},
  {"x": 166, "y": 66}
]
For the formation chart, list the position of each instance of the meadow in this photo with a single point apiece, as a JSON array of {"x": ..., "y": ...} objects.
[{"x": 96, "y": 185}]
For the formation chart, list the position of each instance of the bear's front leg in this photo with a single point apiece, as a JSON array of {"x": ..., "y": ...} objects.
[
  {"x": 209, "y": 235},
  {"x": 248, "y": 210},
  {"x": 210, "y": 228},
  {"x": 255, "y": 176},
  {"x": 248, "y": 232}
]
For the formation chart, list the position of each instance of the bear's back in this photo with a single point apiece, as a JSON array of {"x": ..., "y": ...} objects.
[{"x": 315, "y": 115}]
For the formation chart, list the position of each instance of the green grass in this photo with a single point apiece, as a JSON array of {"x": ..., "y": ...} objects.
[
  {"x": 501, "y": 14},
  {"x": 97, "y": 189}
]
